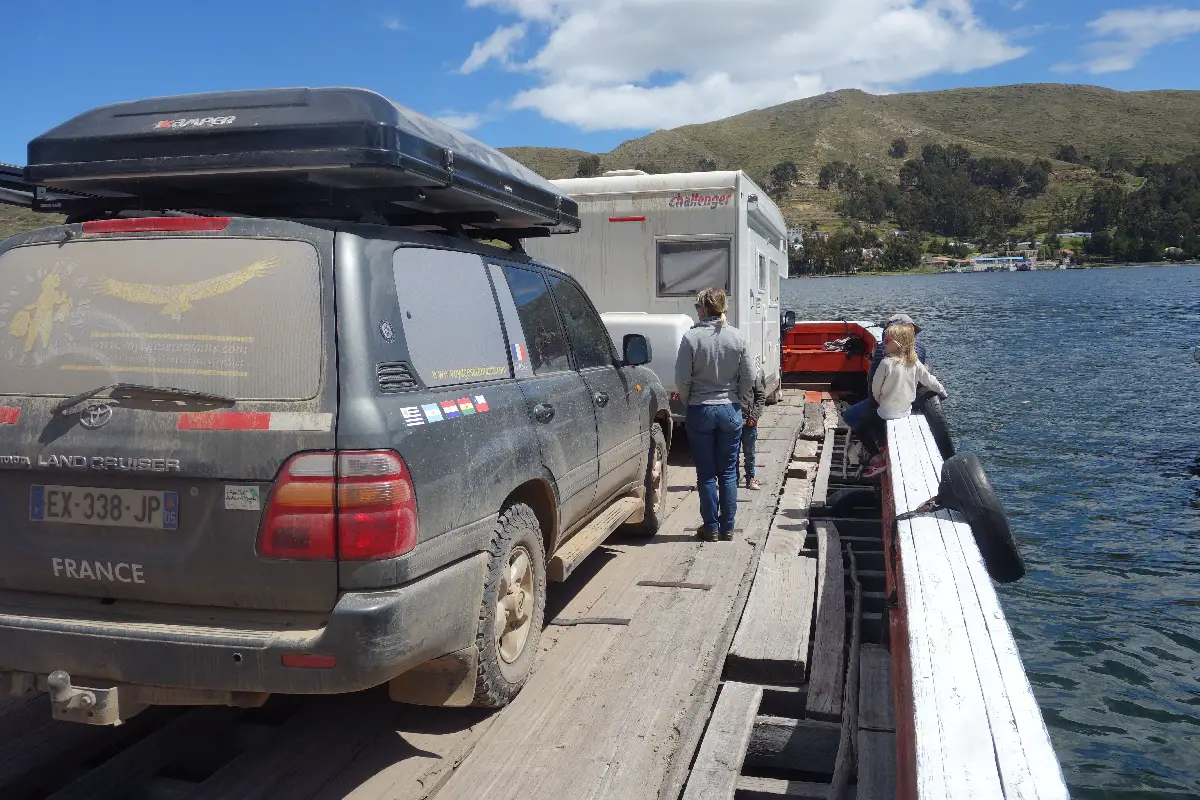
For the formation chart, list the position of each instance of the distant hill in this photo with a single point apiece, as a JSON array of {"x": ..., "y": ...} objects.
[{"x": 1026, "y": 121}]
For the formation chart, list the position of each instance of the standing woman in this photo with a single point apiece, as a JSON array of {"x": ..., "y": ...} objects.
[{"x": 713, "y": 375}]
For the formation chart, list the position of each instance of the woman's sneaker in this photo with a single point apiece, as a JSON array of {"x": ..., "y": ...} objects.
[
  {"x": 875, "y": 466},
  {"x": 752, "y": 483}
]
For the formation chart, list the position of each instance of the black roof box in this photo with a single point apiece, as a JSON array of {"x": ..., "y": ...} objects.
[{"x": 340, "y": 153}]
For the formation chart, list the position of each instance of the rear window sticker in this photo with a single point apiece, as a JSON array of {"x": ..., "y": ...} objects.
[
  {"x": 467, "y": 373},
  {"x": 39, "y": 313},
  {"x": 480, "y": 404},
  {"x": 177, "y": 299},
  {"x": 432, "y": 412},
  {"x": 387, "y": 331},
  {"x": 412, "y": 416},
  {"x": 9, "y": 415},
  {"x": 242, "y": 498},
  {"x": 466, "y": 406},
  {"x": 450, "y": 409}
]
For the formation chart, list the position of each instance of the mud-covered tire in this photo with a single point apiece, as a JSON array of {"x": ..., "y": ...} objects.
[
  {"x": 655, "y": 485},
  {"x": 500, "y": 675}
]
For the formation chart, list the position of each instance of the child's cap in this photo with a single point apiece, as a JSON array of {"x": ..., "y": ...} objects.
[{"x": 902, "y": 319}]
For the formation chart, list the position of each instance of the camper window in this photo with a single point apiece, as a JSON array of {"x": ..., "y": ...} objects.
[
  {"x": 686, "y": 267},
  {"x": 774, "y": 282},
  {"x": 762, "y": 274}
]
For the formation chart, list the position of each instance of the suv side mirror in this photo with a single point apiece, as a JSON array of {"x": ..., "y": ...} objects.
[
  {"x": 788, "y": 321},
  {"x": 636, "y": 349}
]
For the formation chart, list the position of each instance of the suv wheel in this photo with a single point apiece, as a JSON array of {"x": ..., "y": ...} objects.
[
  {"x": 656, "y": 483},
  {"x": 514, "y": 606}
]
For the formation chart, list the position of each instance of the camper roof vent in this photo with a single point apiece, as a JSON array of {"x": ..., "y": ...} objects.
[{"x": 622, "y": 173}]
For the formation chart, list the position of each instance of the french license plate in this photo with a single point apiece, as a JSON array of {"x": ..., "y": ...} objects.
[{"x": 123, "y": 508}]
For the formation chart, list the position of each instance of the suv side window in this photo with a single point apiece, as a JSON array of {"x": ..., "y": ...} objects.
[
  {"x": 449, "y": 316},
  {"x": 543, "y": 333},
  {"x": 589, "y": 338}
]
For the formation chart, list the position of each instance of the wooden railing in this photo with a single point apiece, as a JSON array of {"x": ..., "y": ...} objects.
[{"x": 968, "y": 725}]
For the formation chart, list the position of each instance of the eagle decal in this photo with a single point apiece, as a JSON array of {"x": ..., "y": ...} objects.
[{"x": 176, "y": 300}]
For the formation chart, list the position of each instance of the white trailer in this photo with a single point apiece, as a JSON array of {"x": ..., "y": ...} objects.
[{"x": 650, "y": 243}]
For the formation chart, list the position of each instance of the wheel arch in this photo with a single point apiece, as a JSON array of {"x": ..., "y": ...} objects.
[{"x": 539, "y": 496}]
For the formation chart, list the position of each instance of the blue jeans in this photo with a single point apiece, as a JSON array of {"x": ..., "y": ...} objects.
[
  {"x": 749, "y": 450},
  {"x": 864, "y": 420},
  {"x": 715, "y": 432},
  {"x": 856, "y": 414}
]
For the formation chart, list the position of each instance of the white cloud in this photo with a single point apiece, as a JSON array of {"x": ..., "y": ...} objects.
[
  {"x": 393, "y": 23},
  {"x": 618, "y": 64},
  {"x": 1124, "y": 36},
  {"x": 497, "y": 47},
  {"x": 463, "y": 121}
]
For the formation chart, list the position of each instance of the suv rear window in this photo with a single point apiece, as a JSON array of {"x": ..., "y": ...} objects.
[{"x": 236, "y": 317}]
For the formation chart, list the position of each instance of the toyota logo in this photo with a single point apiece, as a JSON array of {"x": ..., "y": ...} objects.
[{"x": 96, "y": 416}]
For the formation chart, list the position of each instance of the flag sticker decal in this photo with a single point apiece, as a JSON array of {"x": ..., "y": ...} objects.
[
  {"x": 450, "y": 409},
  {"x": 466, "y": 406},
  {"x": 412, "y": 416},
  {"x": 480, "y": 404},
  {"x": 432, "y": 412}
]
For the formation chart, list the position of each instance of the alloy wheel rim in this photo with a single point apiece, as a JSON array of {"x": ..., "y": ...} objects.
[{"x": 514, "y": 605}]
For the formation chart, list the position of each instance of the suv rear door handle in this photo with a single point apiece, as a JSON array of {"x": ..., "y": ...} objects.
[
  {"x": 601, "y": 399},
  {"x": 543, "y": 412}
]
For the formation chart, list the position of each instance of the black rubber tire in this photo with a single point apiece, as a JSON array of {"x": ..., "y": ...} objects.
[
  {"x": 966, "y": 489},
  {"x": 930, "y": 405},
  {"x": 498, "y": 681},
  {"x": 655, "y": 513}
]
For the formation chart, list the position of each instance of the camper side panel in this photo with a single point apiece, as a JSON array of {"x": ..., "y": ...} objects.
[{"x": 649, "y": 251}]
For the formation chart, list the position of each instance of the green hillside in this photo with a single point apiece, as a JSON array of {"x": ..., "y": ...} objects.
[{"x": 1026, "y": 121}]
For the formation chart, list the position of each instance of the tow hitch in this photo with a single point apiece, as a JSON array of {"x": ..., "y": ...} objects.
[
  {"x": 91, "y": 705},
  {"x": 88, "y": 704}
]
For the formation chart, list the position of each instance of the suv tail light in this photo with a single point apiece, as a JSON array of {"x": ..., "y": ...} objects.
[{"x": 353, "y": 505}]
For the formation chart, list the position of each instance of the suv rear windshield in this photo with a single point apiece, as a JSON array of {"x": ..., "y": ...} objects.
[{"x": 236, "y": 317}]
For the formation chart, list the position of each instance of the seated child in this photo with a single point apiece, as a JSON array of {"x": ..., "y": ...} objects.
[{"x": 894, "y": 388}]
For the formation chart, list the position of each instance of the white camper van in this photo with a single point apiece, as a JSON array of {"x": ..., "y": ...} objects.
[{"x": 649, "y": 243}]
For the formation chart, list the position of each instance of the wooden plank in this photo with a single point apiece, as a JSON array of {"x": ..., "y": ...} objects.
[
  {"x": 876, "y": 711},
  {"x": 715, "y": 773},
  {"x": 799, "y": 745},
  {"x": 806, "y": 450},
  {"x": 832, "y": 414},
  {"x": 950, "y": 691},
  {"x": 579, "y": 546},
  {"x": 786, "y": 537},
  {"x": 877, "y": 765},
  {"x": 829, "y": 643},
  {"x": 821, "y": 486},
  {"x": 1024, "y": 753},
  {"x": 771, "y": 643},
  {"x": 769, "y": 788},
  {"x": 604, "y": 713}
]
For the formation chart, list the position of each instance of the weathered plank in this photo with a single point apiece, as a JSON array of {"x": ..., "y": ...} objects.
[
  {"x": 786, "y": 537},
  {"x": 801, "y": 745},
  {"x": 821, "y": 486},
  {"x": 771, "y": 643},
  {"x": 829, "y": 643},
  {"x": 806, "y": 449},
  {"x": 832, "y": 414},
  {"x": 715, "y": 774},
  {"x": 568, "y": 734},
  {"x": 770, "y": 788},
  {"x": 964, "y": 662},
  {"x": 783, "y": 701},
  {"x": 877, "y": 766},
  {"x": 876, "y": 709}
]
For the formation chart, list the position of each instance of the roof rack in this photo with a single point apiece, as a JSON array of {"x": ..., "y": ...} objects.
[{"x": 343, "y": 154}]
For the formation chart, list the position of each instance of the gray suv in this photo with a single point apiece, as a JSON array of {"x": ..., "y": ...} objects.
[{"x": 243, "y": 455}]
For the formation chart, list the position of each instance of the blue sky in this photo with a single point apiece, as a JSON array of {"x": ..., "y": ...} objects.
[{"x": 586, "y": 74}]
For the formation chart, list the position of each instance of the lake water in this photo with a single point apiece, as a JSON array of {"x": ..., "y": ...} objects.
[{"x": 1079, "y": 392}]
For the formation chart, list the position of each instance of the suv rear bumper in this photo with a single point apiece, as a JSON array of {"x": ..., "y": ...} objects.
[{"x": 374, "y": 636}]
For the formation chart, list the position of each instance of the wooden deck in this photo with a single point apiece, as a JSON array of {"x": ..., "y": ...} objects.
[{"x": 970, "y": 726}]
